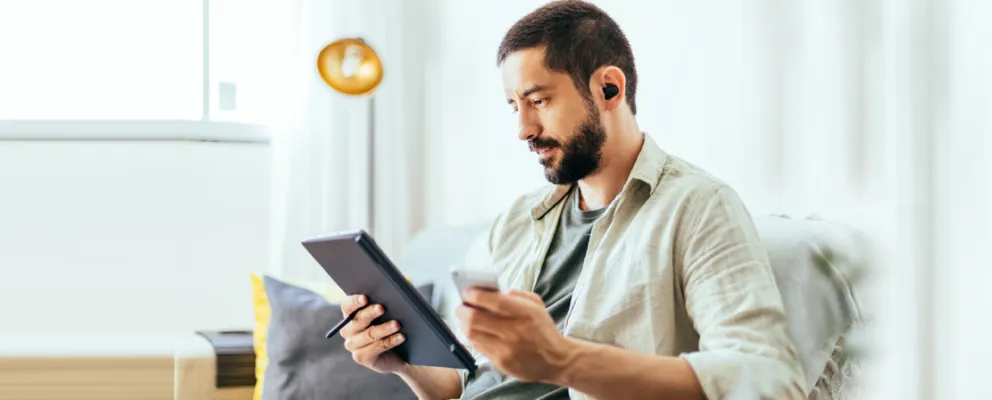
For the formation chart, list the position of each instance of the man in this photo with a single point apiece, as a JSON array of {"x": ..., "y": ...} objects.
[{"x": 634, "y": 275}]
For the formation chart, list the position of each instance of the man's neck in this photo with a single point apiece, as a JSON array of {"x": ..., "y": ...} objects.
[{"x": 599, "y": 189}]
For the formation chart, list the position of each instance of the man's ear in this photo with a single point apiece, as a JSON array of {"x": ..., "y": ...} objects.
[{"x": 609, "y": 85}]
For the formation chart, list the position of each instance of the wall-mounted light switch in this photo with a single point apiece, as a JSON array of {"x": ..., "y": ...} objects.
[{"x": 227, "y": 96}]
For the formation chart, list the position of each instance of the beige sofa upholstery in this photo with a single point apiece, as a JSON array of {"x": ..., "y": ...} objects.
[{"x": 196, "y": 373}]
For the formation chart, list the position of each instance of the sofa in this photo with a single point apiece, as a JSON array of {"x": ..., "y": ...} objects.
[{"x": 813, "y": 261}]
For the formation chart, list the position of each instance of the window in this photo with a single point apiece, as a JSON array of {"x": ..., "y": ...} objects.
[
  {"x": 101, "y": 59},
  {"x": 137, "y": 60}
]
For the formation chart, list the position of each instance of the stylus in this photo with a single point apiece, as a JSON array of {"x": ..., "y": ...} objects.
[{"x": 336, "y": 328}]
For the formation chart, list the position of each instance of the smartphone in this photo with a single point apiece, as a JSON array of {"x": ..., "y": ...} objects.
[{"x": 480, "y": 279}]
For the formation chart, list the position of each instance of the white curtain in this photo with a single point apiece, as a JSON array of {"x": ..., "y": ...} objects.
[
  {"x": 320, "y": 174},
  {"x": 962, "y": 267},
  {"x": 876, "y": 113}
]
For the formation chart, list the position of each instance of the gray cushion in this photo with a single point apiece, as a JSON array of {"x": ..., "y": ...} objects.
[{"x": 305, "y": 365}]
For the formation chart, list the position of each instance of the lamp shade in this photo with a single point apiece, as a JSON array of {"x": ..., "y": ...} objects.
[{"x": 350, "y": 66}]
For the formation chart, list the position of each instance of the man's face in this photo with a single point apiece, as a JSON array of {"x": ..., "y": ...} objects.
[{"x": 561, "y": 126}]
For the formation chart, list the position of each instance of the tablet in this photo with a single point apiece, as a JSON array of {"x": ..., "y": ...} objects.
[{"x": 358, "y": 266}]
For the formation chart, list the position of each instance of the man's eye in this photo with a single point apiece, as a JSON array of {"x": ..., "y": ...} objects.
[{"x": 538, "y": 102}]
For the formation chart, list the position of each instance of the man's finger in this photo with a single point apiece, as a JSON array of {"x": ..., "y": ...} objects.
[
  {"x": 475, "y": 321},
  {"x": 368, "y": 354},
  {"x": 352, "y": 303},
  {"x": 486, "y": 343},
  {"x": 388, "y": 342},
  {"x": 362, "y": 320},
  {"x": 371, "y": 335},
  {"x": 531, "y": 296},
  {"x": 494, "y": 302}
]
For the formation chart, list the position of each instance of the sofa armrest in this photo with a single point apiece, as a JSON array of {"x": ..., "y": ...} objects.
[
  {"x": 195, "y": 369},
  {"x": 196, "y": 373}
]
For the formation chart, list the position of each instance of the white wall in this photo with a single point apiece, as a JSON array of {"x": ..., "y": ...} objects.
[
  {"x": 130, "y": 236},
  {"x": 688, "y": 57}
]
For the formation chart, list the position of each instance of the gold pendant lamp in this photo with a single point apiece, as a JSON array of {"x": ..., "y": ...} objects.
[{"x": 351, "y": 67}]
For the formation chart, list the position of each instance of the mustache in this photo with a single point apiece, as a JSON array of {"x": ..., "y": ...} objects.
[{"x": 542, "y": 143}]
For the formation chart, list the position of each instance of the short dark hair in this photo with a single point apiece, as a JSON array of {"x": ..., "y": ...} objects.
[{"x": 578, "y": 37}]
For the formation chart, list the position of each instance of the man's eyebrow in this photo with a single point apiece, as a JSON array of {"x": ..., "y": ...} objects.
[
  {"x": 531, "y": 90},
  {"x": 534, "y": 89}
]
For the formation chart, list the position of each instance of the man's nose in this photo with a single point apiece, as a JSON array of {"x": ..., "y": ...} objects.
[{"x": 529, "y": 126}]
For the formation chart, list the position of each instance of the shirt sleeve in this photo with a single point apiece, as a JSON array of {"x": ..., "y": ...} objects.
[
  {"x": 464, "y": 375},
  {"x": 745, "y": 348}
]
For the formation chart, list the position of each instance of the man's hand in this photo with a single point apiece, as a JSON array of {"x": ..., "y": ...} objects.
[
  {"x": 516, "y": 333},
  {"x": 370, "y": 346}
]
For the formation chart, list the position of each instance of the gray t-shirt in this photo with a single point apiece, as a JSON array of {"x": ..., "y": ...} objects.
[{"x": 554, "y": 284}]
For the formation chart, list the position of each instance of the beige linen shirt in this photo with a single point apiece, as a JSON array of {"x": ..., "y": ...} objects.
[{"x": 674, "y": 268}]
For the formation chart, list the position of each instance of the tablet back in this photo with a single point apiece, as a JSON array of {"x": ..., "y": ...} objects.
[{"x": 358, "y": 266}]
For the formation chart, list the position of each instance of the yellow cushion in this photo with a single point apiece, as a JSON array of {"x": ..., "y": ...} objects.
[{"x": 329, "y": 291}]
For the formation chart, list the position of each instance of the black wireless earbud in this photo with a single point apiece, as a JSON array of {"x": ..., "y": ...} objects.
[{"x": 611, "y": 91}]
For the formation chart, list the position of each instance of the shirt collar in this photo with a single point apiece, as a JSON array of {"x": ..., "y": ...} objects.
[{"x": 648, "y": 169}]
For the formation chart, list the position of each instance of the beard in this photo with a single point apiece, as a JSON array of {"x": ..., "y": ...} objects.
[{"x": 580, "y": 156}]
